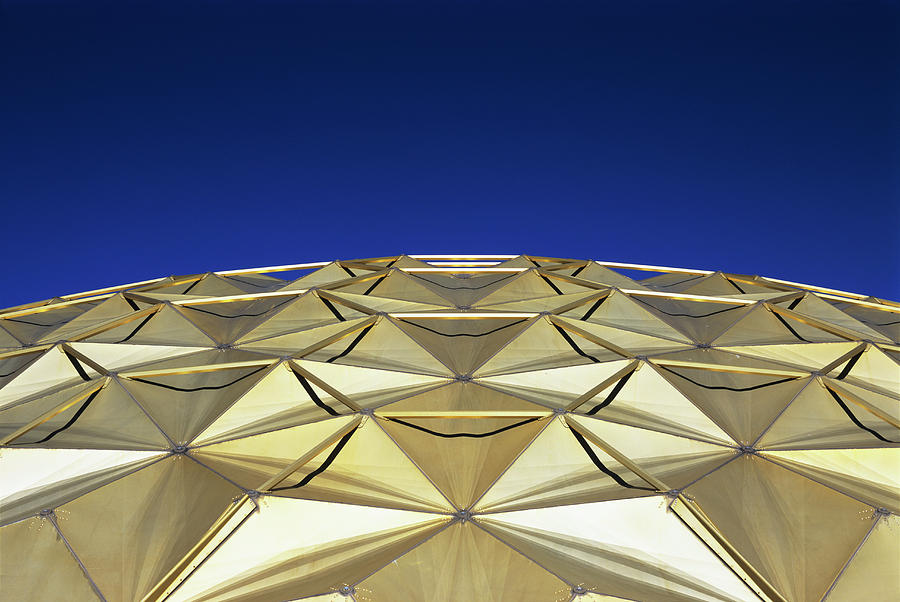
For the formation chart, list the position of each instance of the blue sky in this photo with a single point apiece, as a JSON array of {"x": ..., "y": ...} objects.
[{"x": 140, "y": 140}]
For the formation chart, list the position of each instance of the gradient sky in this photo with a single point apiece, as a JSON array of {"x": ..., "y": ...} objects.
[{"x": 139, "y": 140}]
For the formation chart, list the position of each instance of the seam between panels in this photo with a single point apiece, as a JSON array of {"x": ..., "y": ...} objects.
[
  {"x": 270, "y": 494},
  {"x": 265, "y": 370},
  {"x": 205, "y": 558},
  {"x": 405, "y": 552},
  {"x": 719, "y": 558},
  {"x": 393, "y": 323},
  {"x": 281, "y": 308},
  {"x": 659, "y": 315},
  {"x": 163, "y": 456},
  {"x": 213, "y": 470},
  {"x": 493, "y": 387},
  {"x": 77, "y": 559},
  {"x": 611, "y": 420},
  {"x": 706, "y": 474},
  {"x": 14, "y": 337},
  {"x": 715, "y": 423},
  {"x": 513, "y": 461},
  {"x": 305, "y": 359},
  {"x": 192, "y": 323},
  {"x": 201, "y": 446},
  {"x": 430, "y": 389},
  {"x": 815, "y": 480},
  {"x": 849, "y": 560},
  {"x": 146, "y": 413},
  {"x": 524, "y": 555},
  {"x": 783, "y": 410},
  {"x": 737, "y": 320},
  {"x": 419, "y": 468},
  {"x": 507, "y": 344}
]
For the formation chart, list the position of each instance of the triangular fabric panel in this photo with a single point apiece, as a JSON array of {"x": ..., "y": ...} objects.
[
  {"x": 461, "y": 396},
  {"x": 873, "y": 369},
  {"x": 464, "y": 290},
  {"x": 37, "y": 565},
  {"x": 818, "y": 419},
  {"x": 784, "y": 542},
  {"x": 463, "y": 456},
  {"x": 165, "y": 327},
  {"x": 675, "y": 462},
  {"x": 463, "y": 344},
  {"x": 385, "y": 304},
  {"x": 400, "y": 285},
  {"x": 875, "y": 568},
  {"x": 527, "y": 285},
  {"x": 383, "y": 346},
  {"x": 645, "y": 399},
  {"x": 298, "y": 548},
  {"x": 185, "y": 404},
  {"x": 701, "y": 321},
  {"x": 7, "y": 340},
  {"x": 301, "y": 314},
  {"x": 595, "y": 272},
  {"x": 561, "y": 468},
  {"x": 369, "y": 387},
  {"x": 111, "y": 309},
  {"x": 252, "y": 461},
  {"x": 550, "y": 303},
  {"x": 631, "y": 341},
  {"x": 107, "y": 418},
  {"x": 226, "y": 322},
  {"x": 32, "y": 327},
  {"x": 807, "y": 356},
  {"x": 743, "y": 404},
  {"x": 125, "y": 355},
  {"x": 763, "y": 326},
  {"x": 144, "y": 524},
  {"x": 16, "y": 417},
  {"x": 52, "y": 369},
  {"x": 328, "y": 274},
  {"x": 557, "y": 387},
  {"x": 604, "y": 547},
  {"x": 462, "y": 562},
  {"x": 364, "y": 467},
  {"x": 815, "y": 307},
  {"x": 620, "y": 311},
  {"x": 40, "y": 479},
  {"x": 870, "y": 475},
  {"x": 541, "y": 346},
  {"x": 280, "y": 399}
]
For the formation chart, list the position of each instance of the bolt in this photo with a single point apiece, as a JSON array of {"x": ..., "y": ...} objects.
[{"x": 463, "y": 515}]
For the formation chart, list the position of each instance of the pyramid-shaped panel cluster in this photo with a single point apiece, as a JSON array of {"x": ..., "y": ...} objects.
[{"x": 427, "y": 428}]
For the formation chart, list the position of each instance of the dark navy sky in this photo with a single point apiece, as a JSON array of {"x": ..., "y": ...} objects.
[{"x": 140, "y": 141}]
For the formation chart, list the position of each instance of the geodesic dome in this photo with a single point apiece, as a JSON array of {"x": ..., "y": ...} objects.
[{"x": 451, "y": 428}]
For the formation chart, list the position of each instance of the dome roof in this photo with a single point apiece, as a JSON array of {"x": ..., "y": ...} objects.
[{"x": 443, "y": 428}]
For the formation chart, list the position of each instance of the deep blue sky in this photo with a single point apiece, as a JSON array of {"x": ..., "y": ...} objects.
[{"x": 138, "y": 141}]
